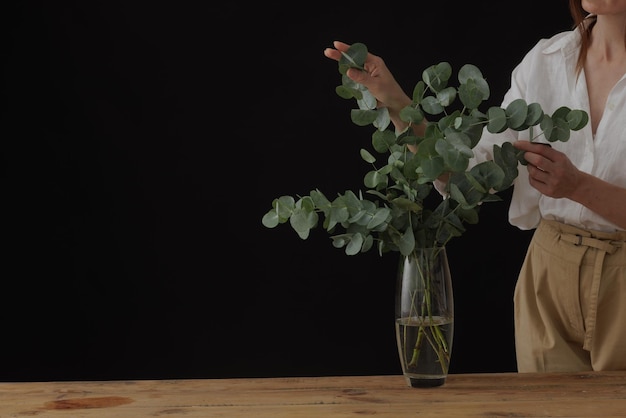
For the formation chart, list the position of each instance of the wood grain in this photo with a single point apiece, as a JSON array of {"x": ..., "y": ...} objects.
[{"x": 590, "y": 394}]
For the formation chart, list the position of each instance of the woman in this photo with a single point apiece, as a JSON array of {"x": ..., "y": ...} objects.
[{"x": 570, "y": 297}]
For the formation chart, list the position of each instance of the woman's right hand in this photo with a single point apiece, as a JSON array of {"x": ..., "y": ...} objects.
[{"x": 378, "y": 80}]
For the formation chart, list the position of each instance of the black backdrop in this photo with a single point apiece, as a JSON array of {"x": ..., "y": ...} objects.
[{"x": 143, "y": 142}]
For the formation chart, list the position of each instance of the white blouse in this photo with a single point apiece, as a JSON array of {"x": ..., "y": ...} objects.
[{"x": 547, "y": 75}]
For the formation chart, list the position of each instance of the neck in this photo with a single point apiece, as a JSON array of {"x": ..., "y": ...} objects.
[{"x": 608, "y": 38}]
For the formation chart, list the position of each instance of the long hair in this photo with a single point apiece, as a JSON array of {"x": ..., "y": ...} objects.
[{"x": 579, "y": 15}]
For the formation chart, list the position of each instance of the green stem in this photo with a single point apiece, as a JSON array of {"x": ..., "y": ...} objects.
[
  {"x": 417, "y": 347},
  {"x": 437, "y": 341}
]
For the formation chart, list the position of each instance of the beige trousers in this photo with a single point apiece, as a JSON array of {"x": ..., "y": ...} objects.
[{"x": 570, "y": 301}]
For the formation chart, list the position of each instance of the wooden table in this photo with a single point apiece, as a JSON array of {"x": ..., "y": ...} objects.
[{"x": 592, "y": 394}]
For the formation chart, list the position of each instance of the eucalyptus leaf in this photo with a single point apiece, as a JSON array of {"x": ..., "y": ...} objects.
[
  {"x": 535, "y": 114},
  {"x": 436, "y": 76},
  {"x": 517, "y": 113},
  {"x": 412, "y": 114},
  {"x": 497, "y": 120},
  {"x": 418, "y": 92},
  {"x": 470, "y": 94},
  {"x": 363, "y": 117},
  {"x": 577, "y": 119},
  {"x": 367, "y": 156},
  {"x": 446, "y": 96},
  {"x": 354, "y": 57},
  {"x": 431, "y": 105}
]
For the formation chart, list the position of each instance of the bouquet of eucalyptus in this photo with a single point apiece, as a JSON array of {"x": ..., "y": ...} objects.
[{"x": 390, "y": 212}]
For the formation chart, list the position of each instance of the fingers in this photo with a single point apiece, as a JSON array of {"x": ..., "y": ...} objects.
[
  {"x": 538, "y": 162},
  {"x": 535, "y": 147},
  {"x": 335, "y": 53},
  {"x": 537, "y": 167},
  {"x": 332, "y": 54},
  {"x": 539, "y": 155},
  {"x": 541, "y": 180},
  {"x": 341, "y": 46}
]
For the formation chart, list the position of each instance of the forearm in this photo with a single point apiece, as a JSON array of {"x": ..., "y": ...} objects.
[
  {"x": 400, "y": 125},
  {"x": 394, "y": 107}
]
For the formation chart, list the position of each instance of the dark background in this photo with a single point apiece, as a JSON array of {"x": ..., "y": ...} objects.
[{"x": 143, "y": 142}]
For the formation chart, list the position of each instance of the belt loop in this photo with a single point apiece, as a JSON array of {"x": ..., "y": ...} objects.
[{"x": 580, "y": 240}]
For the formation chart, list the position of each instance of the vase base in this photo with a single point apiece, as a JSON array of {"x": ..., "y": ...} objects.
[{"x": 416, "y": 382}]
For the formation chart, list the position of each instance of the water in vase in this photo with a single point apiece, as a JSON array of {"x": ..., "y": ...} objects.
[{"x": 424, "y": 345}]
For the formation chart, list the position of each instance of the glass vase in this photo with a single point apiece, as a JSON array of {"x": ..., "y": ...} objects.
[{"x": 424, "y": 316}]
